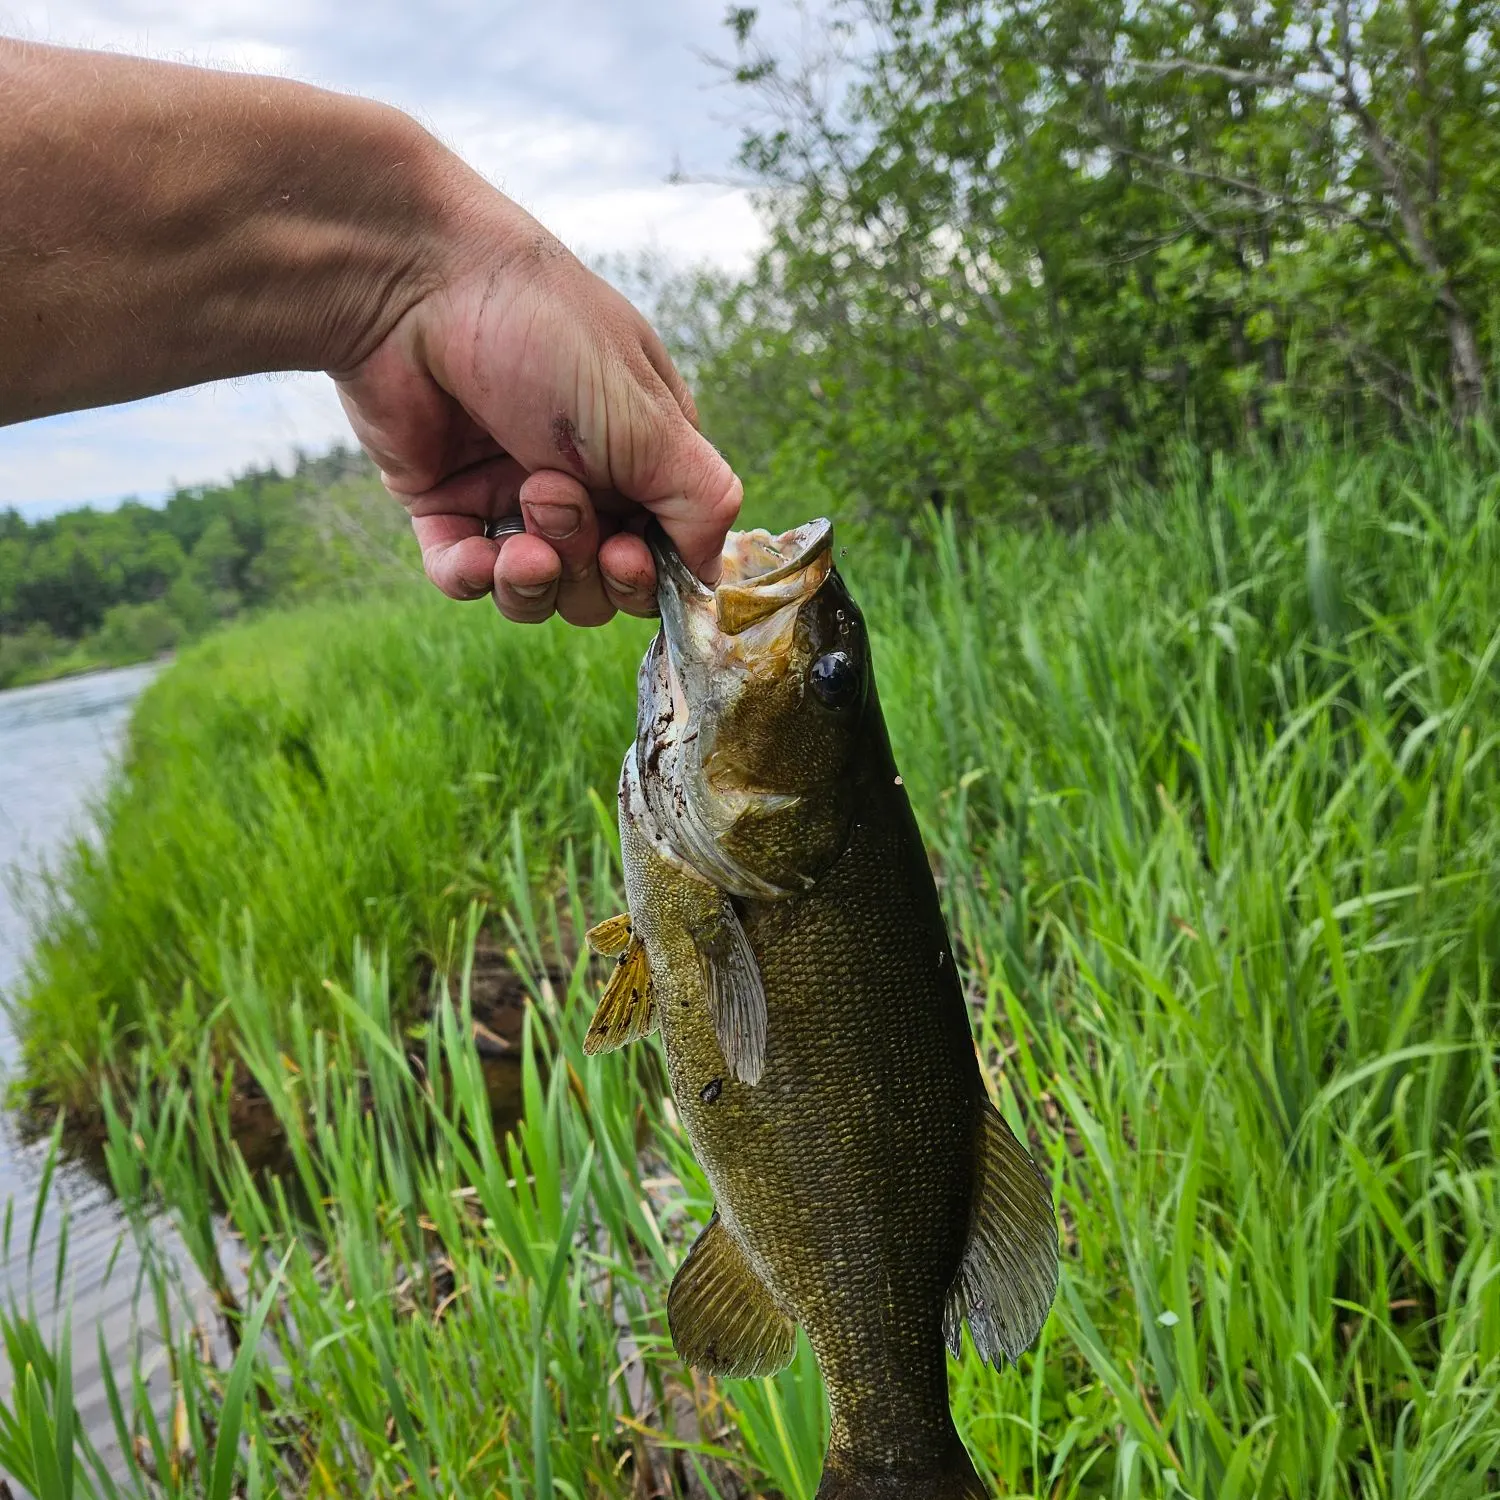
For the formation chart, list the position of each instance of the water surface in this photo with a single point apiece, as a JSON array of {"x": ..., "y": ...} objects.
[{"x": 58, "y": 744}]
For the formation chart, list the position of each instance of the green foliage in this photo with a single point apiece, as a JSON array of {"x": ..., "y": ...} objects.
[
  {"x": 1020, "y": 248},
  {"x": 137, "y": 632},
  {"x": 90, "y": 588},
  {"x": 26, "y": 651},
  {"x": 1214, "y": 794}
]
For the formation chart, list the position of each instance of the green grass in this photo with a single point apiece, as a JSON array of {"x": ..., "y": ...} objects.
[
  {"x": 1214, "y": 796},
  {"x": 333, "y": 774}
]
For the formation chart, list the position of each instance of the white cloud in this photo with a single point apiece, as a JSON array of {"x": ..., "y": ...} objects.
[{"x": 577, "y": 109}]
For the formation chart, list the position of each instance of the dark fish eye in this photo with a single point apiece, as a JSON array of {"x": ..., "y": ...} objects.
[{"x": 835, "y": 679}]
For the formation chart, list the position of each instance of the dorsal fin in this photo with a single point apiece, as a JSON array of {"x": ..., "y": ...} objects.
[{"x": 1008, "y": 1276}]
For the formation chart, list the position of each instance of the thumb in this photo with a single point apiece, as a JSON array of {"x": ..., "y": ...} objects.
[{"x": 694, "y": 494}]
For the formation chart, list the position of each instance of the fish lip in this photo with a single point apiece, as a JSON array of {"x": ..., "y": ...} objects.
[{"x": 688, "y": 623}]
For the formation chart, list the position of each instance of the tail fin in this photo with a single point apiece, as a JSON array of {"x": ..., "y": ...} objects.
[{"x": 954, "y": 1479}]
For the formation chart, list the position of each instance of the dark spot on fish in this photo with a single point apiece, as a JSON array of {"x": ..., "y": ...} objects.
[
  {"x": 711, "y": 1090},
  {"x": 635, "y": 994},
  {"x": 620, "y": 962}
]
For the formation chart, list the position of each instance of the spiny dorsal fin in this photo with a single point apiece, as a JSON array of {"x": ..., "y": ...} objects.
[
  {"x": 627, "y": 1009},
  {"x": 723, "y": 1320},
  {"x": 1009, "y": 1272},
  {"x": 610, "y": 937},
  {"x": 736, "y": 994}
]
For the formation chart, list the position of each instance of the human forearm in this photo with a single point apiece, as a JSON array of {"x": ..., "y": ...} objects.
[{"x": 163, "y": 225}]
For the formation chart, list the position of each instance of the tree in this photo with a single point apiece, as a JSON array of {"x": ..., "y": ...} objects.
[{"x": 1020, "y": 244}]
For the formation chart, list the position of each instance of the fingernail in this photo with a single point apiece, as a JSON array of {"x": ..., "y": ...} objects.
[
  {"x": 529, "y": 590},
  {"x": 557, "y": 522}
]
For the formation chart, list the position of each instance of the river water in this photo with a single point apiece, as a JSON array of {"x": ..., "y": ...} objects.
[{"x": 58, "y": 743}]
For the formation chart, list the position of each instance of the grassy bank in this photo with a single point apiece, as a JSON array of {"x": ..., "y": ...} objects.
[
  {"x": 1214, "y": 795},
  {"x": 339, "y": 773}
]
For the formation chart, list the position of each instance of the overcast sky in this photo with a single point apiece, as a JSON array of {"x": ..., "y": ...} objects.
[{"x": 578, "y": 109}]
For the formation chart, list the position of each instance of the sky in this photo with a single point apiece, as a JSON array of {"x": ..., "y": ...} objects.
[{"x": 578, "y": 109}]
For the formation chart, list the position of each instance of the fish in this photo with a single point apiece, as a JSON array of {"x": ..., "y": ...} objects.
[{"x": 785, "y": 939}]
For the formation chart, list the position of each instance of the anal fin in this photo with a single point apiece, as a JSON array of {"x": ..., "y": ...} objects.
[
  {"x": 1008, "y": 1276},
  {"x": 723, "y": 1319},
  {"x": 627, "y": 1009}
]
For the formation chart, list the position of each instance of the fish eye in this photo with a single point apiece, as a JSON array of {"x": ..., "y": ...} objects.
[{"x": 834, "y": 679}]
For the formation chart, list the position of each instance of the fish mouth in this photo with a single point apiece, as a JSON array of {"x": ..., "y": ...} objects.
[
  {"x": 763, "y": 575},
  {"x": 717, "y": 637}
]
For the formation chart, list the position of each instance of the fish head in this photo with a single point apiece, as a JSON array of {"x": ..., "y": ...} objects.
[{"x": 753, "y": 701}]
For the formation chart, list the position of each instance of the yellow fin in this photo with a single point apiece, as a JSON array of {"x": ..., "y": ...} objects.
[
  {"x": 723, "y": 1319},
  {"x": 627, "y": 1009},
  {"x": 610, "y": 937},
  {"x": 1009, "y": 1272}
]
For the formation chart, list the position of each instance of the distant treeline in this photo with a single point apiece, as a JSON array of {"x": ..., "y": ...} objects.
[
  {"x": 96, "y": 588},
  {"x": 1020, "y": 248}
]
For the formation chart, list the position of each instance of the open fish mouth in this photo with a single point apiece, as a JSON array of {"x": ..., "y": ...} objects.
[
  {"x": 717, "y": 638},
  {"x": 763, "y": 574}
]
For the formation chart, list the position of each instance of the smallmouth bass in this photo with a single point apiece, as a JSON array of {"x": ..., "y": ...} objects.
[{"x": 785, "y": 937}]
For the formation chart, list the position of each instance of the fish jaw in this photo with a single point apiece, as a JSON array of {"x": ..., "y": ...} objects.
[
  {"x": 668, "y": 792},
  {"x": 745, "y": 624}
]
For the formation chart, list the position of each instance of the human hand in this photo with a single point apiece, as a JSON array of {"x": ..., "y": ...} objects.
[{"x": 520, "y": 381}]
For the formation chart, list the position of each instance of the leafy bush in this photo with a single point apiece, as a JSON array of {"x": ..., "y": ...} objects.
[{"x": 25, "y": 651}]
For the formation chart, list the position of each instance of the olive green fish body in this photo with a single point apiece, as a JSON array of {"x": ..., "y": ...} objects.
[{"x": 819, "y": 1052}]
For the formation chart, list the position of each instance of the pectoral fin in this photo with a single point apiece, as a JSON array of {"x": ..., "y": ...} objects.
[
  {"x": 627, "y": 1009},
  {"x": 736, "y": 994},
  {"x": 722, "y": 1318},
  {"x": 1009, "y": 1272},
  {"x": 611, "y": 937}
]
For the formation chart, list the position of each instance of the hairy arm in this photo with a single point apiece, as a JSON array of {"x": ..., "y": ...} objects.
[{"x": 164, "y": 225}]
